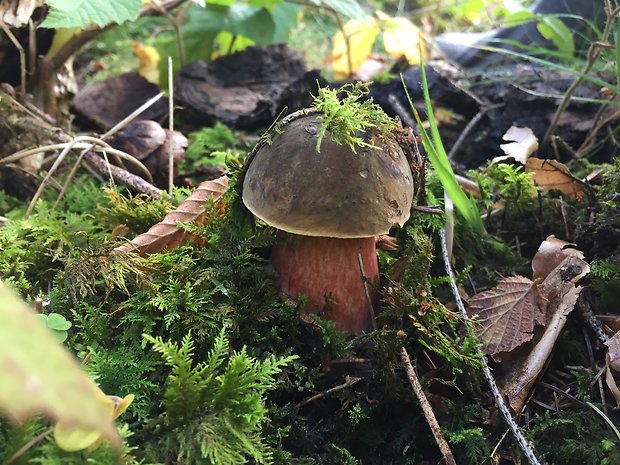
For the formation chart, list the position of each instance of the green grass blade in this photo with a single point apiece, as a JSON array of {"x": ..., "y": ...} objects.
[
  {"x": 551, "y": 65},
  {"x": 439, "y": 159}
]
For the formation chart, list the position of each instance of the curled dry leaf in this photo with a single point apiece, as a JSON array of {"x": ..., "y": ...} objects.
[
  {"x": 523, "y": 144},
  {"x": 553, "y": 175},
  {"x": 613, "y": 363},
  {"x": 550, "y": 254},
  {"x": 166, "y": 234},
  {"x": 613, "y": 351},
  {"x": 505, "y": 316},
  {"x": 560, "y": 290}
]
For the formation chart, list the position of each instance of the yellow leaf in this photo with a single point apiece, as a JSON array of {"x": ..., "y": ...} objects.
[
  {"x": 400, "y": 38},
  {"x": 39, "y": 377},
  {"x": 148, "y": 58},
  {"x": 71, "y": 438},
  {"x": 361, "y": 34}
]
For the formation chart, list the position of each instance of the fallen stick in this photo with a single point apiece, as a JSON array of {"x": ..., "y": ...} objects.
[{"x": 427, "y": 409}]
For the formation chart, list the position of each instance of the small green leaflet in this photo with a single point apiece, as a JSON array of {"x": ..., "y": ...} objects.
[{"x": 83, "y": 13}]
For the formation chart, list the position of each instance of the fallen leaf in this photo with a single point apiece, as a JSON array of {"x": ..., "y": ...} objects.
[
  {"x": 613, "y": 351},
  {"x": 561, "y": 292},
  {"x": 400, "y": 38},
  {"x": 553, "y": 175},
  {"x": 361, "y": 35},
  {"x": 550, "y": 254},
  {"x": 504, "y": 317},
  {"x": 72, "y": 438},
  {"x": 166, "y": 233},
  {"x": 613, "y": 363},
  {"x": 523, "y": 144},
  {"x": 148, "y": 62},
  {"x": 39, "y": 377}
]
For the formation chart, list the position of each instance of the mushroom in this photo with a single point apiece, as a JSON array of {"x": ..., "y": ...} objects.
[{"x": 328, "y": 207}]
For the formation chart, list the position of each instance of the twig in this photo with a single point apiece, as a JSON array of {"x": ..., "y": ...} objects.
[
  {"x": 593, "y": 54},
  {"x": 371, "y": 309},
  {"x": 351, "y": 380},
  {"x": 401, "y": 111},
  {"x": 122, "y": 123},
  {"x": 497, "y": 395},
  {"x": 49, "y": 174},
  {"x": 22, "y": 56},
  {"x": 92, "y": 144},
  {"x": 427, "y": 409},
  {"x": 28, "y": 445},
  {"x": 468, "y": 128},
  {"x": 177, "y": 31},
  {"x": 585, "y": 312},
  {"x": 123, "y": 177}
]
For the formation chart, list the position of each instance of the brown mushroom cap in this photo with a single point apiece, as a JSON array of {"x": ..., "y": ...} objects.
[{"x": 334, "y": 193}]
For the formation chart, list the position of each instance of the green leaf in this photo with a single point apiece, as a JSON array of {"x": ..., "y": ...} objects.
[
  {"x": 556, "y": 31},
  {"x": 40, "y": 377},
  {"x": 285, "y": 18},
  {"x": 65, "y": 5},
  {"x": 238, "y": 19},
  {"x": 81, "y": 14},
  {"x": 269, "y": 3},
  {"x": 347, "y": 8},
  {"x": 518, "y": 18},
  {"x": 57, "y": 322}
]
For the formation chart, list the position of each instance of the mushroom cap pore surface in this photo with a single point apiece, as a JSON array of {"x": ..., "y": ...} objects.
[{"x": 332, "y": 193}]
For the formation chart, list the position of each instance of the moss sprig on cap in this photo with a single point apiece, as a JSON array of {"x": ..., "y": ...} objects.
[{"x": 347, "y": 117}]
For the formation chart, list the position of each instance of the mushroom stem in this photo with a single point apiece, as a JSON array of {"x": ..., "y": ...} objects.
[{"x": 326, "y": 271}]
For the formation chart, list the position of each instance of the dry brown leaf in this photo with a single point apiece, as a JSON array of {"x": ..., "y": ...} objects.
[
  {"x": 613, "y": 351},
  {"x": 550, "y": 254},
  {"x": 553, "y": 175},
  {"x": 166, "y": 234},
  {"x": 523, "y": 144},
  {"x": 505, "y": 316},
  {"x": 561, "y": 292},
  {"x": 613, "y": 362}
]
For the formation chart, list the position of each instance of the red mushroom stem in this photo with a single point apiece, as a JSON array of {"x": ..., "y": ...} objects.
[{"x": 326, "y": 270}]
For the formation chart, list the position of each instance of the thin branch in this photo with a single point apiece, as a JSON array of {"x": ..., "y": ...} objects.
[
  {"x": 468, "y": 128},
  {"x": 350, "y": 381},
  {"x": 497, "y": 395},
  {"x": 22, "y": 56},
  {"x": 427, "y": 409},
  {"x": 92, "y": 144},
  {"x": 28, "y": 445},
  {"x": 177, "y": 30},
  {"x": 124, "y": 177}
]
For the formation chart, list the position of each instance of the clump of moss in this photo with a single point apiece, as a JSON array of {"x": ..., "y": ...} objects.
[{"x": 347, "y": 117}]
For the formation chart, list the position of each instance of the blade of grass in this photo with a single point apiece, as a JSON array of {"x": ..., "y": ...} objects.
[
  {"x": 550, "y": 64},
  {"x": 439, "y": 158}
]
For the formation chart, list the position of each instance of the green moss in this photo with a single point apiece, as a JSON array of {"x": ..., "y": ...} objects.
[{"x": 348, "y": 117}]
